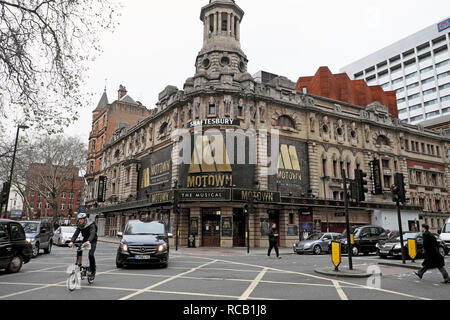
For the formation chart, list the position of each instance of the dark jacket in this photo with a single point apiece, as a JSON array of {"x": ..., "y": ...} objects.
[
  {"x": 433, "y": 259},
  {"x": 89, "y": 233},
  {"x": 273, "y": 236}
]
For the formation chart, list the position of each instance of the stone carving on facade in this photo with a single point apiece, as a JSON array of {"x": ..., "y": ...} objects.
[
  {"x": 196, "y": 110},
  {"x": 339, "y": 131},
  {"x": 325, "y": 129},
  {"x": 262, "y": 111},
  {"x": 227, "y": 101},
  {"x": 367, "y": 133},
  {"x": 338, "y": 108},
  {"x": 312, "y": 122}
]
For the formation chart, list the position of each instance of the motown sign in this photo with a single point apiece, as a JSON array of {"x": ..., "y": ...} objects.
[
  {"x": 218, "y": 161},
  {"x": 293, "y": 169},
  {"x": 156, "y": 171}
]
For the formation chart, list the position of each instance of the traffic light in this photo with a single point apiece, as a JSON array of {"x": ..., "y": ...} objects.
[
  {"x": 176, "y": 203},
  {"x": 4, "y": 193},
  {"x": 361, "y": 183},
  {"x": 398, "y": 189},
  {"x": 354, "y": 190},
  {"x": 246, "y": 209}
]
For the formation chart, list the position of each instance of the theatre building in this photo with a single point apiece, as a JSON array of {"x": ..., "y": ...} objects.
[{"x": 226, "y": 139}]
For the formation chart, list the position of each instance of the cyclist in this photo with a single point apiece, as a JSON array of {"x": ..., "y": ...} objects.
[{"x": 89, "y": 232}]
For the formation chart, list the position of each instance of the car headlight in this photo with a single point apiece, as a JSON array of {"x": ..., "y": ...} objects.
[
  {"x": 398, "y": 246},
  {"x": 30, "y": 240},
  {"x": 377, "y": 246},
  {"x": 162, "y": 247},
  {"x": 124, "y": 247}
]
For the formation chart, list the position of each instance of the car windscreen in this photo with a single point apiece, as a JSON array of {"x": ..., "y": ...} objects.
[
  {"x": 144, "y": 228},
  {"x": 68, "y": 229},
  {"x": 447, "y": 228},
  {"x": 30, "y": 227},
  {"x": 407, "y": 236},
  {"x": 315, "y": 236}
]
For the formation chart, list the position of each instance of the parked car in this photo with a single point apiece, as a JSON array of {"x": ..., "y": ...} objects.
[
  {"x": 143, "y": 243},
  {"x": 445, "y": 235},
  {"x": 366, "y": 240},
  {"x": 392, "y": 248},
  {"x": 64, "y": 234},
  {"x": 39, "y": 235},
  {"x": 316, "y": 243},
  {"x": 14, "y": 248},
  {"x": 391, "y": 235}
]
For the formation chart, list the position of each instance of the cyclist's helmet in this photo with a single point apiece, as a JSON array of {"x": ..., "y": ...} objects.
[{"x": 81, "y": 216}]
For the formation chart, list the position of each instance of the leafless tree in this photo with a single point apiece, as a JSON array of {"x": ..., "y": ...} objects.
[
  {"x": 45, "y": 49},
  {"x": 47, "y": 167}
]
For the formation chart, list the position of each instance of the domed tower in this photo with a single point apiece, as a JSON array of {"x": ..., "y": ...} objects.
[{"x": 221, "y": 52}]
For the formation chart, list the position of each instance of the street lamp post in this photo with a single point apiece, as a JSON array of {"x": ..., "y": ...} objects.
[
  {"x": 325, "y": 179},
  {"x": 12, "y": 165}
]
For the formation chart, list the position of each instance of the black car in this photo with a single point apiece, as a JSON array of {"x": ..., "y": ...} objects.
[
  {"x": 366, "y": 239},
  {"x": 392, "y": 248},
  {"x": 14, "y": 248},
  {"x": 143, "y": 243}
]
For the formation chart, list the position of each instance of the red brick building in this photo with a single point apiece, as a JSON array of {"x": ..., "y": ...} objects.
[
  {"x": 40, "y": 199},
  {"x": 108, "y": 120},
  {"x": 340, "y": 87}
]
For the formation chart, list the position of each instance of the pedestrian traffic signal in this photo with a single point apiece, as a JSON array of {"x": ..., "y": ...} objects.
[
  {"x": 246, "y": 208},
  {"x": 361, "y": 183}
]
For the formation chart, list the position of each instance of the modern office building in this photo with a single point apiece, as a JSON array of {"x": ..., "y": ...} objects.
[{"x": 417, "y": 68}]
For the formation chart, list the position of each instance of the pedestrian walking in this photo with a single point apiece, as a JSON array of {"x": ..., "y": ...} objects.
[
  {"x": 273, "y": 241},
  {"x": 433, "y": 259},
  {"x": 305, "y": 235}
]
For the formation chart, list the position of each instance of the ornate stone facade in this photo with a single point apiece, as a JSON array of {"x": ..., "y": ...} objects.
[{"x": 318, "y": 137}]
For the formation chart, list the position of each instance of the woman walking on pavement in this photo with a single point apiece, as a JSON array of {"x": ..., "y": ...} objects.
[
  {"x": 273, "y": 241},
  {"x": 433, "y": 259}
]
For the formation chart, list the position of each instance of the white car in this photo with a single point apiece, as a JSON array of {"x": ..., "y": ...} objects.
[
  {"x": 445, "y": 235},
  {"x": 64, "y": 234}
]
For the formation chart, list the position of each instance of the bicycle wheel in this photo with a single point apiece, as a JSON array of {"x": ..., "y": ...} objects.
[
  {"x": 72, "y": 281},
  {"x": 91, "y": 279}
]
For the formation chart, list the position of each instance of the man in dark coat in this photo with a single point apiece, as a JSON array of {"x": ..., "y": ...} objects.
[
  {"x": 273, "y": 240},
  {"x": 89, "y": 232},
  {"x": 433, "y": 259}
]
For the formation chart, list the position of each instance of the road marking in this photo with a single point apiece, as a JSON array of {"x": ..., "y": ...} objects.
[
  {"x": 253, "y": 285},
  {"x": 339, "y": 290},
  {"x": 167, "y": 280},
  {"x": 42, "y": 287},
  {"x": 323, "y": 278}
]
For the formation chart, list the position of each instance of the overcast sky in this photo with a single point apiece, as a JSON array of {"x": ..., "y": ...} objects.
[{"x": 157, "y": 41}]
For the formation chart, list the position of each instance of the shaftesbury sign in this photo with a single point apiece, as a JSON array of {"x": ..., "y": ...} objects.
[{"x": 214, "y": 122}]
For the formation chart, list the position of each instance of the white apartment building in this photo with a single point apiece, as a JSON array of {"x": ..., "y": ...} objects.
[{"x": 417, "y": 68}]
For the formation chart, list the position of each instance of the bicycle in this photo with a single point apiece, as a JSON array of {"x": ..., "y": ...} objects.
[{"x": 79, "y": 272}]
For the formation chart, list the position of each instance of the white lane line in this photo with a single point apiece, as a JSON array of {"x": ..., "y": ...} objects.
[
  {"x": 323, "y": 278},
  {"x": 339, "y": 290},
  {"x": 167, "y": 280},
  {"x": 253, "y": 285},
  {"x": 42, "y": 287}
]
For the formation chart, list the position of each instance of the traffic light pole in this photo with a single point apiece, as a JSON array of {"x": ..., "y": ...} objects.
[
  {"x": 400, "y": 229},
  {"x": 347, "y": 221}
]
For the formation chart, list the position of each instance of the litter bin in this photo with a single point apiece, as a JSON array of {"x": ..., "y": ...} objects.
[{"x": 191, "y": 242}]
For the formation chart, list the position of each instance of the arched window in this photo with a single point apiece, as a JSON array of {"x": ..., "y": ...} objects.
[
  {"x": 382, "y": 140},
  {"x": 163, "y": 129},
  {"x": 286, "y": 122}
]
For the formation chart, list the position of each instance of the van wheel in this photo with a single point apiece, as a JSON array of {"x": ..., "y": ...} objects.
[
  {"x": 442, "y": 251},
  {"x": 15, "y": 265},
  {"x": 35, "y": 250},
  {"x": 49, "y": 248},
  {"x": 355, "y": 251}
]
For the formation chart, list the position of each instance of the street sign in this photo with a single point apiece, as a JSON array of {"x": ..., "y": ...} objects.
[
  {"x": 412, "y": 248},
  {"x": 336, "y": 254}
]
